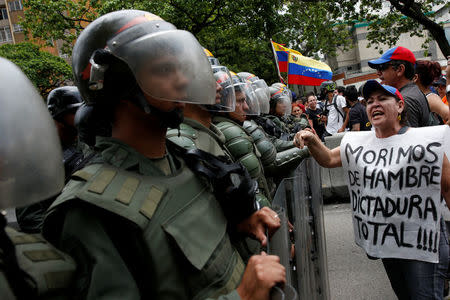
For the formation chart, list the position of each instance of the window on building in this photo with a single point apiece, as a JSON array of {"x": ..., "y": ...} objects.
[
  {"x": 3, "y": 13},
  {"x": 17, "y": 28},
  {"x": 15, "y": 5},
  {"x": 5, "y": 34}
]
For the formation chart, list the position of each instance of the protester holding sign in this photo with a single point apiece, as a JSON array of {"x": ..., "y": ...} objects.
[{"x": 396, "y": 176}]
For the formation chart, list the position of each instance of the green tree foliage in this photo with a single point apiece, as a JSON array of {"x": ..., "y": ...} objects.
[
  {"x": 415, "y": 17},
  {"x": 235, "y": 31},
  {"x": 45, "y": 70}
]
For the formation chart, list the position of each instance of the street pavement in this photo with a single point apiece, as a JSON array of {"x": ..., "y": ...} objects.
[{"x": 351, "y": 274}]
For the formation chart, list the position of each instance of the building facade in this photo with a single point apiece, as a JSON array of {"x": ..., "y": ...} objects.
[
  {"x": 11, "y": 32},
  {"x": 10, "y": 29},
  {"x": 351, "y": 67}
]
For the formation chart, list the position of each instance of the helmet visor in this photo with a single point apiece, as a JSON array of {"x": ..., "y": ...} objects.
[
  {"x": 168, "y": 65},
  {"x": 225, "y": 96},
  {"x": 251, "y": 100},
  {"x": 263, "y": 94},
  {"x": 214, "y": 61},
  {"x": 31, "y": 166},
  {"x": 288, "y": 93},
  {"x": 242, "y": 90},
  {"x": 284, "y": 105},
  {"x": 263, "y": 100},
  {"x": 286, "y": 101},
  {"x": 261, "y": 84}
]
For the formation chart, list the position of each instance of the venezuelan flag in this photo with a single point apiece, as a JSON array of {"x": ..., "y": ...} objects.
[
  {"x": 282, "y": 56},
  {"x": 307, "y": 71}
]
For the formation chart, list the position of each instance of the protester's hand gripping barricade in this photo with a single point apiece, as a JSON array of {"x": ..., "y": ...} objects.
[{"x": 299, "y": 201}]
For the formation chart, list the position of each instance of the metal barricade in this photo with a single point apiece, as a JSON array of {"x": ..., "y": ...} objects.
[{"x": 299, "y": 201}]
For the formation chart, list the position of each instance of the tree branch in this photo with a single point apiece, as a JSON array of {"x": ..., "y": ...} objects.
[
  {"x": 73, "y": 20},
  {"x": 205, "y": 23},
  {"x": 412, "y": 9},
  {"x": 188, "y": 15}
]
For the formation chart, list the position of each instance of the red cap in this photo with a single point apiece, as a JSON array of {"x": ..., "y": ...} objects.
[{"x": 396, "y": 53}]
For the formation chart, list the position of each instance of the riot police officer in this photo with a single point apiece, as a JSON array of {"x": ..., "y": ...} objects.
[
  {"x": 139, "y": 222},
  {"x": 280, "y": 106},
  {"x": 30, "y": 170},
  {"x": 62, "y": 104},
  {"x": 237, "y": 141},
  {"x": 198, "y": 130},
  {"x": 278, "y": 157}
]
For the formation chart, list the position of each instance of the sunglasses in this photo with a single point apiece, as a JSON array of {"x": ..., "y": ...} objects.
[{"x": 383, "y": 67}]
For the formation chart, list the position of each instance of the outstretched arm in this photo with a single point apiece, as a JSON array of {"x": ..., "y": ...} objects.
[{"x": 325, "y": 157}]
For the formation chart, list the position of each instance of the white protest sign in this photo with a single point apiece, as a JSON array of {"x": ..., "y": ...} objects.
[{"x": 394, "y": 185}]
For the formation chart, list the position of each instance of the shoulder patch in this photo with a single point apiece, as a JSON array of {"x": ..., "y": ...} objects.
[
  {"x": 127, "y": 190},
  {"x": 82, "y": 174},
  {"x": 42, "y": 255},
  {"x": 151, "y": 202},
  {"x": 100, "y": 183}
]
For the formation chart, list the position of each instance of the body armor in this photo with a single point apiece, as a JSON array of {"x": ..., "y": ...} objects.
[
  {"x": 181, "y": 225},
  {"x": 295, "y": 124},
  {"x": 279, "y": 129},
  {"x": 50, "y": 272},
  {"x": 193, "y": 135},
  {"x": 242, "y": 148},
  {"x": 276, "y": 163}
]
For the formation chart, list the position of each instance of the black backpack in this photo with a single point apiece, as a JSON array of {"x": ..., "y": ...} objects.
[{"x": 333, "y": 103}]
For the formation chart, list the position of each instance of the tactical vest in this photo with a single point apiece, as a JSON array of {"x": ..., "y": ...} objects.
[
  {"x": 276, "y": 163},
  {"x": 262, "y": 143},
  {"x": 212, "y": 141},
  {"x": 181, "y": 222},
  {"x": 280, "y": 126},
  {"x": 51, "y": 270},
  {"x": 295, "y": 124},
  {"x": 243, "y": 150},
  {"x": 268, "y": 125},
  {"x": 192, "y": 135},
  {"x": 195, "y": 136}
]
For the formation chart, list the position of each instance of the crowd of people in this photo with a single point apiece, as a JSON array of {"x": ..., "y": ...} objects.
[{"x": 171, "y": 162}]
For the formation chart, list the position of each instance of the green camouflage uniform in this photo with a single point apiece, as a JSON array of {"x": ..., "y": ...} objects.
[
  {"x": 280, "y": 128},
  {"x": 295, "y": 124},
  {"x": 193, "y": 135},
  {"x": 243, "y": 150},
  {"x": 279, "y": 158}
]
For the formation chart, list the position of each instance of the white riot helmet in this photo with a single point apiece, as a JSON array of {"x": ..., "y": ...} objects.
[
  {"x": 31, "y": 167},
  {"x": 227, "y": 100},
  {"x": 241, "y": 85}
]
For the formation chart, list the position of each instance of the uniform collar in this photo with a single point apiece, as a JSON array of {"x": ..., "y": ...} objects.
[
  {"x": 212, "y": 130},
  {"x": 121, "y": 155}
]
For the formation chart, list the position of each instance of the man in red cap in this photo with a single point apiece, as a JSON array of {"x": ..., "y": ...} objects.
[{"x": 396, "y": 68}]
